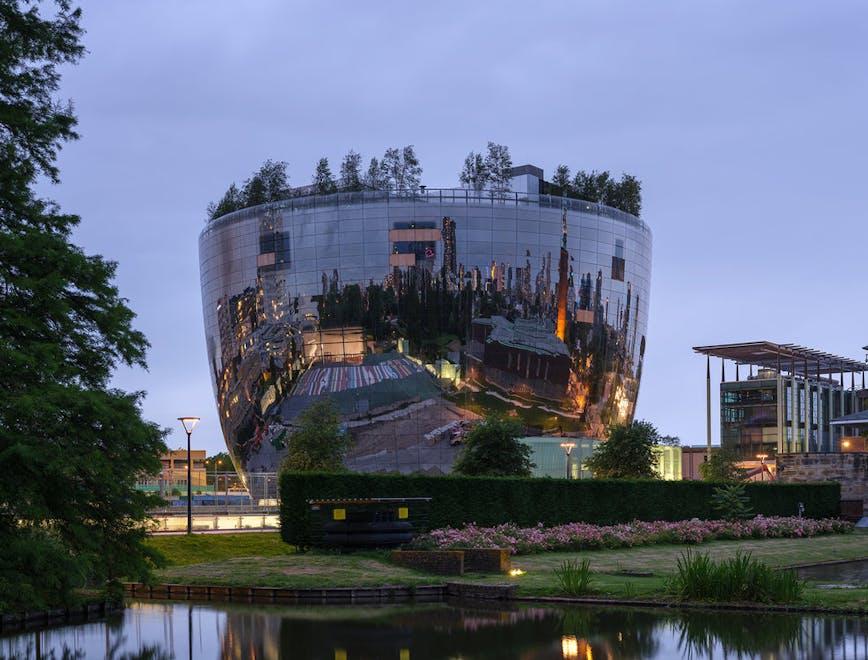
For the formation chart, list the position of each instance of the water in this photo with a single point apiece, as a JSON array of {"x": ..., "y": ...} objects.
[
  {"x": 853, "y": 573},
  {"x": 530, "y": 632}
]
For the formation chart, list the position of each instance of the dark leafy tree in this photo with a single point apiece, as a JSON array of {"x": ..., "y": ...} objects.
[
  {"x": 601, "y": 187},
  {"x": 493, "y": 448},
  {"x": 232, "y": 200},
  {"x": 400, "y": 168},
  {"x": 323, "y": 181},
  {"x": 627, "y": 454},
  {"x": 374, "y": 177},
  {"x": 722, "y": 466},
  {"x": 562, "y": 180},
  {"x": 498, "y": 164},
  {"x": 71, "y": 447},
  {"x": 474, "y": 175},
  {"x": 351, "y": 172},
  {"x": 318, "y": 444},
  {"x": 268, "y": 184}
]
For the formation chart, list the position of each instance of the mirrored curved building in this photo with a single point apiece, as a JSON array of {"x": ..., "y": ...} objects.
[{"x": 416, "y": 313}]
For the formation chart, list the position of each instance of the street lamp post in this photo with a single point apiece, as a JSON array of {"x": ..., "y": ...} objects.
[
  {"x": 568, "y": 448},
  {"x": 762, "y": 459},
  {"x": 189, "y": 424}
]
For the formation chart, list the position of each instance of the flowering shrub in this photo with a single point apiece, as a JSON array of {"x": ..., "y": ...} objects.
[{"x": 582, "y": 536}]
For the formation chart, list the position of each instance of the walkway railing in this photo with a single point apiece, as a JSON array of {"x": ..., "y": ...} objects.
[{"x": 438, "y": 196}]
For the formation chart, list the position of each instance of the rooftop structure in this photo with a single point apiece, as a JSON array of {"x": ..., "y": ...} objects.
[
  {"x": 792, "y": 398},
  {"x": 787, "y": 358}
]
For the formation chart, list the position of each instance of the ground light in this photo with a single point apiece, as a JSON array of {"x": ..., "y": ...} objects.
[
  {"x": 189, "y": 424},
  {"x": 515, "y": 572}
]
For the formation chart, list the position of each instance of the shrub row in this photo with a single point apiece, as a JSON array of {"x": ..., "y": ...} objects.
[{"x": 490, "y": 501}]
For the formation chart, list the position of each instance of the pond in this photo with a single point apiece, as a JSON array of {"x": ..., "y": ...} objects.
[{"x": 465, "y": 630}]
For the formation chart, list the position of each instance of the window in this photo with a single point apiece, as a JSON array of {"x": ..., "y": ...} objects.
[{"x": 618, "y": 263}]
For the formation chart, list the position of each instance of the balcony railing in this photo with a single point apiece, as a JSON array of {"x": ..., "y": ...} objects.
[{"x": 436, "y": 196}]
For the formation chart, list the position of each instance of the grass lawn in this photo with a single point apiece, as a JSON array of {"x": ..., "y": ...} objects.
[
  {"x": 183, "y": 550},
  {"x": 263, "y": 560}
]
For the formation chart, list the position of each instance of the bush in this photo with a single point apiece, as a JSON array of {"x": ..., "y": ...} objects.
[
  {"x": 490, "y": 501},
  {"x": 574, "y": 577},
  {"x": 731, "y": 502},
  {"x": 736, "y": 579}
]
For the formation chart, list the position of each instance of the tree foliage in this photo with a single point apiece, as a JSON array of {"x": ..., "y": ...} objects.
[
  {"x": 400, "y": 169},
  {"x": 601, "y": 187},
  {"x": 318, "y": 444},
  {"x": 351, "y": 172},
  {"x": 722, "y": 466},
  {"x": 627, "y": 454},
  {"x": 374, "y": 177},
  {"x": 70, "y": 447},
  {"x": 732, "y": 502},
  {"x": 269, "y": 183},
  {"x": 561, "y": 178},
  {"x": 474, "y": 174},
  {"x": 323, "y": 181},
  {"x": 498, "y": 165},
  {"x": 492, "y": 448}
]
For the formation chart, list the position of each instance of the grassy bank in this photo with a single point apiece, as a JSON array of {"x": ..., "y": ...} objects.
[
  {"x": 262, "y": 560},
  {"x": 183, "y": 550}
]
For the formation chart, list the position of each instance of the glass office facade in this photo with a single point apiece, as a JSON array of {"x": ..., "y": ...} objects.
[
  {"x": 778, "y": 413},
  {"x": 417, "y": 314}
]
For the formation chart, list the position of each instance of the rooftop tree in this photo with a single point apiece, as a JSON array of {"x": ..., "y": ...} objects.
[
  {"x": 601, "y": 187},
  {"x": 268, "y": 184},
  {"x": 474, "y": 174},
  {"x": 374, "y": 177},
  {"x": 498, "y": 164},
  {"x": 351, "y": 172},
  {"x": 323, "y": 181},
  {"x": 400, "y": 168},
  {"x": 71, "y": 446},
  {"x": 561, "y": 179}
]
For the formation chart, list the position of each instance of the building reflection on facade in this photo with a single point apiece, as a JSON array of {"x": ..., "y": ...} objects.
[{"x": 415, "y": 314}]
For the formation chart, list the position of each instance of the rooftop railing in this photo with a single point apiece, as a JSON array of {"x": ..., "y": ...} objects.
[{"x": 436, "y": 196}]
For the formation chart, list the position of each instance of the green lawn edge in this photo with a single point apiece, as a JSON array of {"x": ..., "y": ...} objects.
[{"x": 263, "y": 560}]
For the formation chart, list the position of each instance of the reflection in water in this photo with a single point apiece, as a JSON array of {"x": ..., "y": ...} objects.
[{"x": 153, "y": 630}]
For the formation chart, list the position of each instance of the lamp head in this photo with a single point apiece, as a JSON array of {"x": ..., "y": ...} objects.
[
  {"x": 568, "y": 447},
  {"x": 189, "y": 423}
]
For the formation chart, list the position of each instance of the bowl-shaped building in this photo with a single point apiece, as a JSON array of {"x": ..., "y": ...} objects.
[{"x": 416, "y": 313}]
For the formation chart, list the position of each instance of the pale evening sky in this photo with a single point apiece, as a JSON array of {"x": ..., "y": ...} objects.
[{"x": 745, "y": 122}]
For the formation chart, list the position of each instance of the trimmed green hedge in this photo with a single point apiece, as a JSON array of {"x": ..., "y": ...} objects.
[{"x": 495, "y": 500}]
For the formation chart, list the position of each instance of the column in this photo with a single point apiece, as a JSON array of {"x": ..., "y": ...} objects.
[
  {"x": 809, "y": 405},
  {"x": 708, "y": 407},
  {"x": 794, "y": 411},
  {"x": 781, "y": 412}
]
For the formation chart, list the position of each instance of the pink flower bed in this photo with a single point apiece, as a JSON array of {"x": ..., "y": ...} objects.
[{"x": 582, "y": 536}]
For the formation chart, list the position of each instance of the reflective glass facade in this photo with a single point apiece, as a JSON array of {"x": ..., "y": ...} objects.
[
  {"x": 418, "y": 313},
  {"x": 779, "y": 414}
]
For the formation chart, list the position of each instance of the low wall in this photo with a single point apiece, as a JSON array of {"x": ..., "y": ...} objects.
[{"x": 850, "y": 469}]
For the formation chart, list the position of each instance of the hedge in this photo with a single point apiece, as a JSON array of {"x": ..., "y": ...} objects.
[{"x": 491, "y": 501}]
